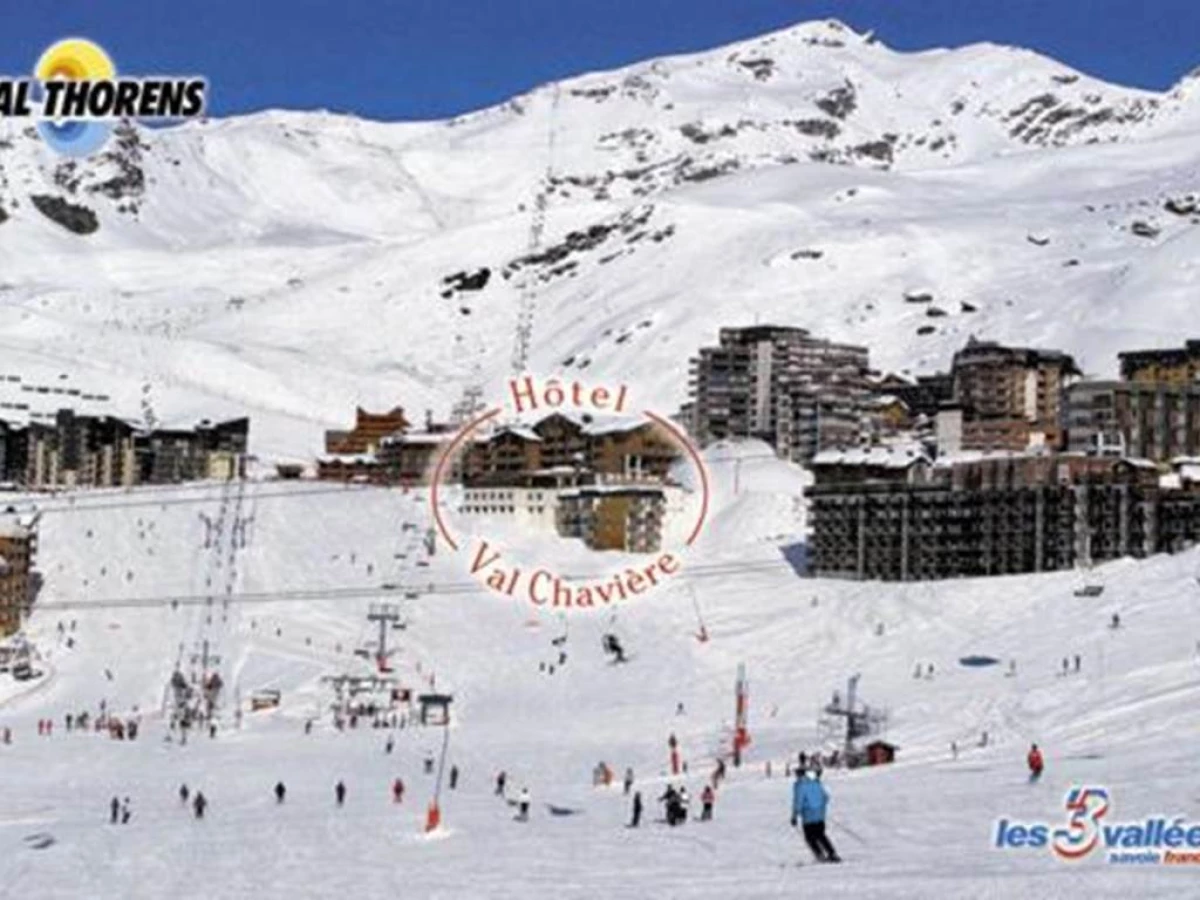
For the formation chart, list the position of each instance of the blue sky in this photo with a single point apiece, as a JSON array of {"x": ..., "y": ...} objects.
[{"x": 413, "y": 59}]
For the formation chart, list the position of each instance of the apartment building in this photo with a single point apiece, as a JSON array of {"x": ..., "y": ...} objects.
[
  {"x": 1011, "y": 398},
  {"x": 1156, "y": 420},
  {"x": 1179, "y": 365},
  {"x": 797, "y": 392},
  {"x": 18, "y": 580},
  {"x": 992, "y": 514}
]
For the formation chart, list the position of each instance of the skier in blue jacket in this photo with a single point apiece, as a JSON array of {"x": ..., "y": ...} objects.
[{"x": 809, "y": 799}]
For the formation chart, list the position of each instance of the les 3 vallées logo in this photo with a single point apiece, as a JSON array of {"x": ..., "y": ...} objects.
[
  {"x": 75, "y": 96},
  {"x": 1156, "y": 840}
]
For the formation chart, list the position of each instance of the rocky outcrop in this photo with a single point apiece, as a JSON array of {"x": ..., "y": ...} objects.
[{"x": 71, "y": 216}]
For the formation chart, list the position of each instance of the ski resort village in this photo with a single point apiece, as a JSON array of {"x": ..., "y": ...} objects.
[{"x": 766, "y": 472}]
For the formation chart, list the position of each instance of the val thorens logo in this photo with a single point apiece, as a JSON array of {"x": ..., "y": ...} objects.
[
  {"x": 75, "y": 96},
  {"x": 1156, "y": 840}
]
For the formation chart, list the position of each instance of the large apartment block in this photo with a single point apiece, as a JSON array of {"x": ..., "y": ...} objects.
[
  {"x": 1156, "y": 420},
  {"x": 1010, "y": 398},
  {"x": 798, "y": 393},
  {"x": 908, "y": 518},
  {"x": 18, "y": 581},
  {"x": 614, "y": 517},
  {"x": 105, "y": 451},
  {"x": 1171, "y": 366}
]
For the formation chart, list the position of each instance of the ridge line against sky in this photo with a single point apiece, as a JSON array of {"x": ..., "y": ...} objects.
[{"x": 423, "y": 59}]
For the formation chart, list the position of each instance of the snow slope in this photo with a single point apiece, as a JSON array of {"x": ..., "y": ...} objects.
[
  {"x": 918, "y": 829},
  {"x": 294, "y": 264}
]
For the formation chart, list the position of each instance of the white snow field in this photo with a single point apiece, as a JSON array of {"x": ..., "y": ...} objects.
[{"x": 920, "y": 828}]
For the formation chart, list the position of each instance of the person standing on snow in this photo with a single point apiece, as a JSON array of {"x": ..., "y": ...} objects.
[
  {"x": 674, "y": 808},
  {"x": 199, "y": 805},
  {"x": 453, "y": 777},
  {"x": 809, "y": 800},
  {"x": 500, "y": 780},
  {"x": 397, "y": 790},
  {"x": 637, "y": 810},
  {"x": 1036, "y": 763},
  {"x": 707, "y": 796},
  {"x": 628, "y": 783},
  {"x": 339, "y": 793},
  {"x": 183, "y": 794},
  {"x": 523, "y": 800},
  {"x": 114, "y": 810},
  {"x": 280, "y": 792}
]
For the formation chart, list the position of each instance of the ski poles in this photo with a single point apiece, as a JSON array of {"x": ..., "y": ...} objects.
[{"x": 848, "y": 831}]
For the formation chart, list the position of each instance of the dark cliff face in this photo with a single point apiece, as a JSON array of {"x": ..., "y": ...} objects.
[{"x": 71, "y": 216}]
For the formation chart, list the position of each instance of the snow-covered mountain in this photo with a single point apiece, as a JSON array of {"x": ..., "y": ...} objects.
[{"x": 293, "y": 264}]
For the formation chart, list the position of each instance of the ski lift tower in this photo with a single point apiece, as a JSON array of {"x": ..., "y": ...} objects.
[
  {"x": 385, "y": 614},
  {"x": 851, "y": 719}
]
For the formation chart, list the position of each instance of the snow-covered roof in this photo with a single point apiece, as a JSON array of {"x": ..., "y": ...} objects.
[
  {"x": 889, "y": 457},
  {"x": 524, "y": 432},
  {"x": 613, "y": 425},
  {"x": 612, "y": 489},
  {"x": 418, "y": 437},
  {"x": 348, "y": 458}
]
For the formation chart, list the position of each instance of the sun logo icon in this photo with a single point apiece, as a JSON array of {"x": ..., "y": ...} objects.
[{"x": 74, "y": 59}]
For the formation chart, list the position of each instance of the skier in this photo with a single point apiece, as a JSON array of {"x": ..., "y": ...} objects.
[
  {"x": 428, "y": 764},
  {"x": 1066, "y": 668},
  {"x": 501, "y": 778},
  {"x": 199, "y": 804},
  {"x": 183, "y": 794},
  {"x": 674, "y": 808},
  {"x": 339, "y": 791},
  {"x": 126, "y": 812},
  {"x": 1036, "y": 763},
  {"x": 706, "y": 799},
  {"x": 637, "y": 810},
  {"x": 954, "y": 749},
  {"x": 280, "y": 791},
  {"x": 397, "y": 790},
  {"x": 390, "y": 745},
  {"x": 809, "y": 800},
  {"x": 1116, "y": 620},
  {"x": 114, "y": 809},
  {"x": 453, "y": 777},
  {"x": 523, "y": 805},
  {"x": 628, "y": 782},
  {"x": 684, "y": 803},
  {"x": 308, "y": 726},
  {"x": 1076, "y": 662}
]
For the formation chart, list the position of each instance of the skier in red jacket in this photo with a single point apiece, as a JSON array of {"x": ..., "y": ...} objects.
[{"x": 1036, "y": 763}]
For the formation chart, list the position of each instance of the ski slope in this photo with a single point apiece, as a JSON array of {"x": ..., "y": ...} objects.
[{"x": 920, "y": 828}]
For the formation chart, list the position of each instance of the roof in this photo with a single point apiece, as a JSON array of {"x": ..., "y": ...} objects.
[
  {"x": 524, "y": 432},
  {"x": 348, "y": 459},
  {"x": 418, "y": 437},
  {"x": 880, "y": 456},
  {"x": 612, "y": 489}
]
